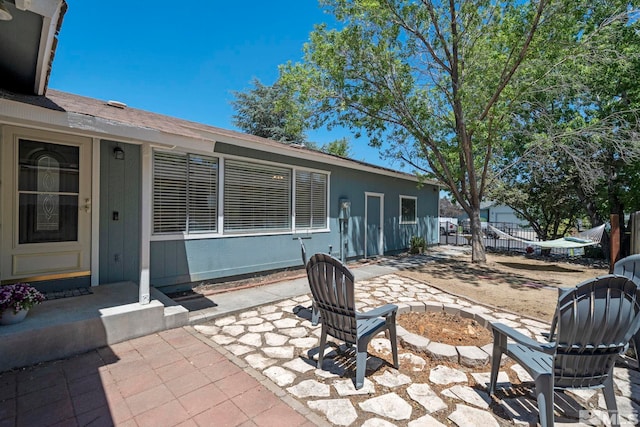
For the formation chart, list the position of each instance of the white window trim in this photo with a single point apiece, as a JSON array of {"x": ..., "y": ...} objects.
[
  {"x": 402, "y": 197},
  {"x": 184, "y": 235},
  {"x": 220, "y": 232}
]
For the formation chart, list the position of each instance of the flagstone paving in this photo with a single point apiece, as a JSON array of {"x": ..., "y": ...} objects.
[{"x": 437, "y": 384}]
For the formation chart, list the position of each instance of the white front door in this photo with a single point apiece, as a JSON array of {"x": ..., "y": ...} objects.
[{"x": 46, "y": 205}]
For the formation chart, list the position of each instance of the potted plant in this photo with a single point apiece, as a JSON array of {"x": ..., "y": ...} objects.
[
  {"x": 16, "y": 300},
  {"x": 417, "y": 245}
]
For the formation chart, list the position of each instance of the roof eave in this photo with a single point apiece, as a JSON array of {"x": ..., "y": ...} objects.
[{"x": 52, "y": 13}]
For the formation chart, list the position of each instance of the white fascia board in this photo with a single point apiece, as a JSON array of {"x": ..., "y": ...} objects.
[
  {"x": 21, "y": 114},
  {"x": 44, "y": 54},
  {"x": 46, "y": 8}
]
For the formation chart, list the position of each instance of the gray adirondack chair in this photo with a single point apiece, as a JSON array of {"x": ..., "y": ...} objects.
[
  {"x": 629, "y": 267},
  {"x": 591, "y": 328},
  {"x": 315, "y": 314},
  {"x": 332, "y": 286}
]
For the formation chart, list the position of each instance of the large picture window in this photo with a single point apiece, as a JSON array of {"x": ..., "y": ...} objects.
[
  {"x": 257, "y": 197},
  {"x": 185, "y": 193},
  {"x": 408, "y": 210},
  {"x": 311, "y": 200}
]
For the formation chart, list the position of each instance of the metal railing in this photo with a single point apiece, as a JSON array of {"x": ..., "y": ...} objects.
[{"x": 493, "y": 241}]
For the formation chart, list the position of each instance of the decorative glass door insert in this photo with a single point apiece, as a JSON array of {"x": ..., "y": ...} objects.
[{"x": 48, "y": 191}]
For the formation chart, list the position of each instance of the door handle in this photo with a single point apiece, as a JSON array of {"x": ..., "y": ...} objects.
[{"x": 87, "y": 205}]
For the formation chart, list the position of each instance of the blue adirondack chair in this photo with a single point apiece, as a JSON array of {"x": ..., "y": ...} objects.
[
  {"x": 629, "y": 267},
  {"x": 332, "y": 286},
  {"x": 591, "y": 328}
]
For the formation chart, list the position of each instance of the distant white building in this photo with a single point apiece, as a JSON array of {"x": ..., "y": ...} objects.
[{"x": 497, "y": 213}]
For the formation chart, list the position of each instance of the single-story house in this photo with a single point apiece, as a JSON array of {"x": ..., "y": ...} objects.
[{"x": 96, "y": 192}]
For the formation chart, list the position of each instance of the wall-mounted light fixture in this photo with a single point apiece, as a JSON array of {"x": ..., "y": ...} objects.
[
  {"x": 118, "y": 153},
  {"x": 5, "y": 15}
]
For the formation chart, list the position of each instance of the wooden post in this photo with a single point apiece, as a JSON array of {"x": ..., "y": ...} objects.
[
  {"x": 614, "y": 241},
  {"x": 635, "y": 233}
]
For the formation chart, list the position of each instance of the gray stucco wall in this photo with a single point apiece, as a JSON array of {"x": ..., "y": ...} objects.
[{"x": 175, "y": 262}]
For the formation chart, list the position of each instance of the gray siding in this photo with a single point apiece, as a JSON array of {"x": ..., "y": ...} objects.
[
  {"x": 119, "y": 192},
  {"x": 180, "y": 261}
]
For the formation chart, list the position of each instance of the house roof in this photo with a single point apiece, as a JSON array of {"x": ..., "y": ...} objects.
[{"x": 114, "y": 120}]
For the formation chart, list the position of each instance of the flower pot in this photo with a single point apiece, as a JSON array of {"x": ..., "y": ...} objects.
[{"x": 9, "y": 317}]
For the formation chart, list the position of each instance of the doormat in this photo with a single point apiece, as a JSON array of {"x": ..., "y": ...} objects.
[{"x": 67, "y": 293}]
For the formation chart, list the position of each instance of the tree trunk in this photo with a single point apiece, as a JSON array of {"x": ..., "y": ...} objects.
[
  {"x": 590, "y": 206},
  {"x": 478, "y": 254}
]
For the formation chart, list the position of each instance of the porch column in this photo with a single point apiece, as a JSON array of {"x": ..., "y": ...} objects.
[{"x": 145, "y": 232}]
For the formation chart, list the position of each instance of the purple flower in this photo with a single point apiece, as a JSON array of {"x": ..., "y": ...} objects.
[{"x": 19, "y": 296}]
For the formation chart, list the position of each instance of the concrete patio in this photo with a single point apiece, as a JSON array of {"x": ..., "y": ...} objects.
[{"x": 67, "y": 326}]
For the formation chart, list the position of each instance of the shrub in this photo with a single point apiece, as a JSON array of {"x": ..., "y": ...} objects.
[{"x": 417, "y": 244}]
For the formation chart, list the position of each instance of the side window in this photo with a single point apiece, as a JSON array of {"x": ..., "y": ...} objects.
[
  {"x": 185, "y": 193},
  {"x": 408, "y": 210}
]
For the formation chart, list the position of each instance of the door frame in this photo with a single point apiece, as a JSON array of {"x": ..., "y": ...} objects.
[
  {"x": 368, "y": 194},
  {"x": 77, "y": 255}
]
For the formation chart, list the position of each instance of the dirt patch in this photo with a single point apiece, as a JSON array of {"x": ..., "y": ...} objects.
[
  {"x": 514, "y": 283},
  {"x": 445, "y": 328}
]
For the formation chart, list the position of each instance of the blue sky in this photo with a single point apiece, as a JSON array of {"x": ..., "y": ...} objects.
[{"x": 185, "y": 59}]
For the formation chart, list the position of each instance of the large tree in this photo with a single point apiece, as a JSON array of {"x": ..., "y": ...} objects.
[
  {"x": 432, "y": 81},
  {"x": 272, "y": 112},
  {"x": 269, "y": 112},
  {"x": 580, "y": 117}
]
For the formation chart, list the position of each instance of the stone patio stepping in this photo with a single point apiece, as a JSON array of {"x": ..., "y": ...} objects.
[
  {"x": 310, "y": 388},
  {"x": 388, "y": 405},
  {"x": 425, "y": 421},
  {"x": 339, "y": 412},
  {"x": 465, "y": 416},
  {"x": 445, "y": 375},
  {"x": 347, "y": 388},
  {"x": 280, "y": 376},
  {"x": 424, "y": 395},
  {"x": 377, "y": 422},
  {"x": 392, "y": 379},
  {"x": 468, "y": 395},
  {"x": 282, "y": 346}
]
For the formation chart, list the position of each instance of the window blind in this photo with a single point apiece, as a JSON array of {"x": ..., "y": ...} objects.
[
  {"x": 185, "y": 189},
  {"x": 257, "y": 197},
  {"x": 202, "y": 194},
  {"x": 169, "y": 192},
  {"x": 311, "y": 200}
]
